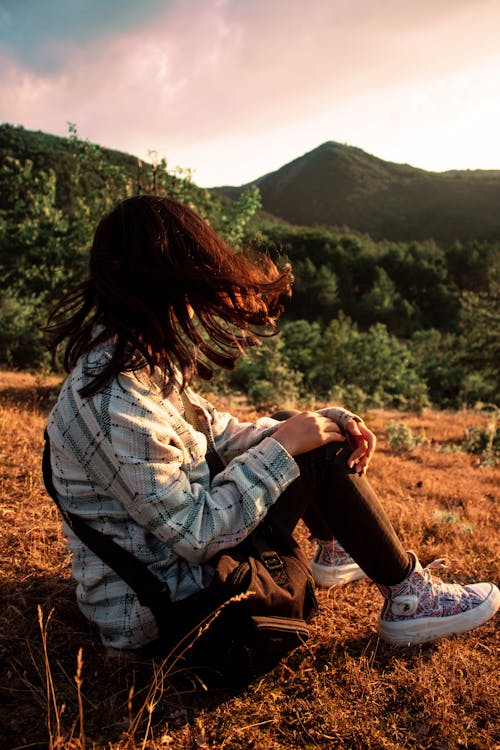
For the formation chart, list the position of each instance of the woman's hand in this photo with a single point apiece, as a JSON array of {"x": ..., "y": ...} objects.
[
  {"x": 362, "y": 441},
  {"x": 306, "y": 431}
]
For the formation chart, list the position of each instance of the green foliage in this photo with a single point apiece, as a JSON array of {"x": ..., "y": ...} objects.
[
  {"x": 479, "y": 352},
  {"x": 339, "y": 364},
  {"x": 315, "y": 290},
  {"x": 461, "y": 368},
  {"x": 20, "y": 343},
  {"x": 436, "y": 362},
  {"x": 401, "y": 438},
  {"x": 265, "y": 377},
  {"x": 473, "y": 265},
  {"x": 400, "y": 324},
  {"x": 374, "y": 362},
  {"x": 302, "y": 340},
  {"x": 42, "y": 248},
  {"x": 484, "y": 443},
  {"x": 409, "y": 287},
  {"x": 232, "y": 223},
  {"x": 49, "y": 207}
]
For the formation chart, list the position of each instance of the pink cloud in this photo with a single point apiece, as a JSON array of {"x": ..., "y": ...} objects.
[{"x": 200, "y": 72}]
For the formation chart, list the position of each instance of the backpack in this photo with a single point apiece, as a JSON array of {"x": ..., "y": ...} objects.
[{"x": 254, "y": 612}]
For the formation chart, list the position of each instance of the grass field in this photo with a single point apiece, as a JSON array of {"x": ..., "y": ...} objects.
[{"x": 343, "y": 689}]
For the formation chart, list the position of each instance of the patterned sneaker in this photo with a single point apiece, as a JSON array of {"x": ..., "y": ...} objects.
[
  {"x": 333, "y": 566},
  {"x": 422, "y": 608}
]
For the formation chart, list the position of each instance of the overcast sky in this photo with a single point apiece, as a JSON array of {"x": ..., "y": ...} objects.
[{"x": 236, "y": 88}]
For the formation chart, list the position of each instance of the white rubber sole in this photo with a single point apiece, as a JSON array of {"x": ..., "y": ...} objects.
[
  {"x": 326, "y": 576},
  {"x": 425, "y": 629}
]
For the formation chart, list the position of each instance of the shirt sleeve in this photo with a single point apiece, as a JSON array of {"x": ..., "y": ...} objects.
[
  {"x": 232, "y": 437},
  {"x": 339, "y": 415},
  {"x": 162, "y": 480}
]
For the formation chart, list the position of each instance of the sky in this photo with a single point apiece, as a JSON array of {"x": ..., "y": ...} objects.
[{"x": 234, "y": 89}]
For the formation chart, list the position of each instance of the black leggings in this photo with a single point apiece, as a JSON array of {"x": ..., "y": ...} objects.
[{"x": 335, "y": 502}]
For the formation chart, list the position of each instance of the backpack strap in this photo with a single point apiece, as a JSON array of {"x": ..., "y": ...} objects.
[
  {"x": 127, "y": 566},
  {"x": 212, "y": 458},
  {"x": 148, "y": 587}
]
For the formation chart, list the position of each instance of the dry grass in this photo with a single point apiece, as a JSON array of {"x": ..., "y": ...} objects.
[{"x": 343, "y": 689}]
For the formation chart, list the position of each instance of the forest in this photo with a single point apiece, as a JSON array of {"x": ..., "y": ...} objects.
[{"x": 370, "y": 323}]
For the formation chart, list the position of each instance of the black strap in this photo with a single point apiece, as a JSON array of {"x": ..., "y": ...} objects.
[
  {"x": 212, "y": 458},
  {"x": 135, "y": 573}
]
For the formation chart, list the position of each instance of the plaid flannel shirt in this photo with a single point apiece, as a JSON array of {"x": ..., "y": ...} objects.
[{"x": 127, "y": 462}]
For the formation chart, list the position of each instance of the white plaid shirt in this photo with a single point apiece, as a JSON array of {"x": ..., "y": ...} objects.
[{"x": 128, "y": 463}]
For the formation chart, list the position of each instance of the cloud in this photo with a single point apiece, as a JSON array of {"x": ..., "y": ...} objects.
[
  {"x": 193, "y": 76},
  {"x": 214, "y": 68},
  {"x": 38, "y": 34}
]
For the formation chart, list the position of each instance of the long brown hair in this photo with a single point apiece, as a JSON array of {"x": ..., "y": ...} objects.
[{"x": 170, "y": 292}]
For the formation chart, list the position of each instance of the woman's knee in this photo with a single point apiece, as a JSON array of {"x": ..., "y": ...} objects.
[{"x": 284, "y": 414}]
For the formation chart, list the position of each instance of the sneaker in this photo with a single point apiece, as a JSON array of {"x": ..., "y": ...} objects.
[
  {"x": 333, "y": 566},
  {"x": 422, "y": 608}
]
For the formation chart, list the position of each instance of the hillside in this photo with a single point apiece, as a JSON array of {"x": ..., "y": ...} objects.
[
  {"x": 340, "y": 185},
  {"x": 54, "y": 152},
  {"x": 43, "y": 148},
  {"x": 333, "y": 185}
]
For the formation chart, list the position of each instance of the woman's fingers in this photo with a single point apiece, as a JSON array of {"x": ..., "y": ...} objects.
[
  {"x": 363, "y": 442},
  {"x": 306, "y": 431},
  {"x": 333, "y": 431}
]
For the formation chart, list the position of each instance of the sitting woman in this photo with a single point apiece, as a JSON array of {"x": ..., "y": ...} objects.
[{"x": 165, "y": 301}]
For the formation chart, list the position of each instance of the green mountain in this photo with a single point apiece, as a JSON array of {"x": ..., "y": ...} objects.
[
  {"x": 46, "y": 150},
  {"x": 83, "y": 168},
  {"x": 333, "y": 185},
  {"x": 55, "y": 152},
  {"x": 51, "y": 152},
  {"x": 339, "y": 185}
]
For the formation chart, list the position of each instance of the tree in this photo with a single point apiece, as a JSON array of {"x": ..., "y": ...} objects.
[
  {"x": 44, "y": 247},
  {"x": 265, "y": 377},
  {"x": 435, "y": 355},
  {"x": 479, "y": 354},
  {"x": 374, "y": 363},
  {"x": 315, "y": 294},
  {"x": 42, "y": 250}
]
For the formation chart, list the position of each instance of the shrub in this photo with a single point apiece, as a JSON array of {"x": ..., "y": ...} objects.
[
  {"x": 484, "y": 442},
  {"x": 401, "y": 438},
  {"x": 21, "y": 343},
  {"x": 265, "y": 377}
]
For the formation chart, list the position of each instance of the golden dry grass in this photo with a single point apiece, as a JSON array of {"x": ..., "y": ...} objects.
[{"x": 343, "y": 689}]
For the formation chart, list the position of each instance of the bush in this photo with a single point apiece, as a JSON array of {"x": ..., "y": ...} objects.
[
  {"x": 21, "y": 343},
  {"x": 484, "y": 443},
  {"x": 402, "y": 439},
  {"x": 266, "y": 378},
  {"x": 373, "y": 361}
]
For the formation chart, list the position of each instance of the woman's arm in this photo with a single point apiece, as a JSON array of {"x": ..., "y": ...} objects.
[
  {"x": 233, "y": 437},
  {"x": 153, "y": 463},
  {"x": 177, "y": 503}
]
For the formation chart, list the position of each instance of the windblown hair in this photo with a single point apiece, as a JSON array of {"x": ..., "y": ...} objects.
[{"x": 169, "y": 292}]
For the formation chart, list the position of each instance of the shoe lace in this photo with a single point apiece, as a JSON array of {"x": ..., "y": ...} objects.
[{"x": 439, "y": 564}]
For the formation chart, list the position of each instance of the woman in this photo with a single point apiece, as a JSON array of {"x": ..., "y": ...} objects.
[{"x": 166, "y": 299}]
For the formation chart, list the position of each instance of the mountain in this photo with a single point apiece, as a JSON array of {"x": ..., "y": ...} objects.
[
  {"x": 46, "y": 150},
  {"x": 82, "y": 168},
  {"x": 53, "y": 152},
  {"x": 340, "y": 185},
  {"x": 333, "y": 185}
]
